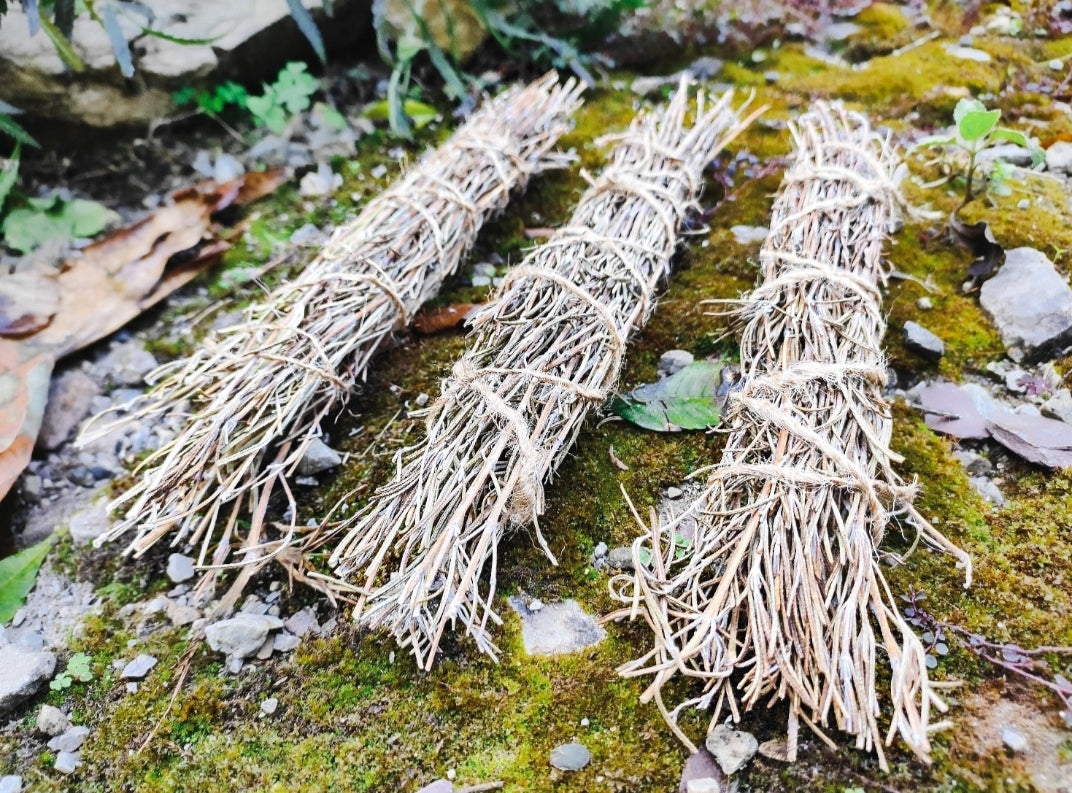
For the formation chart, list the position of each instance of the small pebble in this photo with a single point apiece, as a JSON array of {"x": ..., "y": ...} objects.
[
  {"x": 570, "y": 757},
  {"x": 70, "y": 741},
  {"x": 11, "y": 784},
  {"x": 1023, "y": 203},
  {"x": 1014, "y": 738},
  {"x": 67, "y": 762},
  {"x": 924, "y": 304},
  {"x": 732, "y": 748},
  {"x": 180, "y": 568},
  {"x": 451, "y": 773},
  {"x": 139, "y": 667},
  {"x": 673, "y": 492},
  {"x": 1057, "y": 64},
  {"x": 600, "y": 551},
  {"x": 585, "y": 722},
  {"x": 421, "y": 400},
  {"x": 481, "y": 280},
  {"x": 269, "y": 706},
  {"x": 535, "y": 605},
  {"x": 52, "y": 721}
]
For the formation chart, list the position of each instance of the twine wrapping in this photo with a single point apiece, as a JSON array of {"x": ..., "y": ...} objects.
[
  {"x": 781, "y": 582},
  {"x": 546, "y": 350},
  {"x": 260, "y": 391}
]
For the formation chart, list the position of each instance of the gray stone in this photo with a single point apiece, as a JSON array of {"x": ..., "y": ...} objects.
[
  {"x": 620, "y": 558},
  {"x": 922, "y": 342},
  {"x": 301, "y": 622},
  {"x": 127, "y": 364},
  {"x": 748, "y": 235},
  {"x": 967, "y": 53},
  {"x": 705, "y": 784},
  {"x": 70, "y": 740},
  {"x": 269, "y": 706},
  {"x": 700, "y": 767},
  {"x": 22, "y": 673},
  {"x": 557, "y": 628},
  {"x": 285, "y": 642},
  {"x": 673, "y": 361},
  {"x": 67, "y": 762},
  {"x": 1059, "y": 406},
  {"x": 69, "y": 398},
  {"x": 1059, "y": 157},
  {"x": 731, "y": 748},
  {"x": 11, "y": 784},
  {"x": 32, "y": 487},
  {"x": 180, "y": 568},
  {"x": 599, "y": 551},
  {"x": 570, "y": 757},
  {"x": 52, "y": 721},
  {"x": 264, "y": 652},
  {"x": 318, "y": 457},
  {"x": 987, "y": 489},
  {"x": 181, "y": 614},
  {"x": 89, "y": 523},
  {"x": 439, "y": 786},
  {"x": 242, "y": 635},
  {"x": 674, "y": 492},
  {"x": 1014, "y": 738},
  {"x": 139, "y": 667},
  {"x": 974, "y": 463},
  {"x": 1031, "y": 305},
  {"x": 1008, "y": 152}
]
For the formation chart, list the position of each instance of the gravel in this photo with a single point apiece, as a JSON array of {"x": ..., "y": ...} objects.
[{"x": 570, "y": 757}]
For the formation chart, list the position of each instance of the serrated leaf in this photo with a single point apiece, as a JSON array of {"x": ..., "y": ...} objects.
[
  {"x": 976, "y": 124},
  {"x": 17, "y": 576},
  {"x": 691, "y": 399},
  {"x": 308, "y": 27}
]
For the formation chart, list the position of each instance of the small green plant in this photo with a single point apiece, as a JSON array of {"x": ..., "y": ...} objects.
[
  {"x": 43, "y": 219},
  {"x": 213, "y": 103},
  {"x": 289, "y": 95},
  {"x": 976, "y": 130},
  {"x": 77, "y": 670}
]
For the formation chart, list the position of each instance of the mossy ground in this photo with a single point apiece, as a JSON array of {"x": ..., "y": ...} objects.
[{"x": 354, "y": 718}]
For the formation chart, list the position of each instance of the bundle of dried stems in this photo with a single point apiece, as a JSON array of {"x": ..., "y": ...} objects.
[
  {"x": 261, "y": 390},
  {"x": 546, "y": 350},
  {"x": 781, "y": 581}
]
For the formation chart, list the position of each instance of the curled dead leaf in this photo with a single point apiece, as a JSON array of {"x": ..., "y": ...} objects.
[{"x": 437, "y": 320}]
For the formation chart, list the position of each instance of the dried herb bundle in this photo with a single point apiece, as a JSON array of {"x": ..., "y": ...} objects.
[
  {"x": 781, "y": 582},
  {"x": 260, "y": 390},
  {"x": 546, "y": 350}
]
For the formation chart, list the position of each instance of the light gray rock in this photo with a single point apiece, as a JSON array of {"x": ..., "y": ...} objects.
[
  {"x": 570, "y": 757},
  {"x": 1009, "y": 152},
  {"x": 139, "y": 667},
  {"x": 748, "y": 235},
  {"x": 1014, "y": 738},
  {"x": 89, "y": 523},
  {"x": 70, "y": 740},
  {"x": 22, "y": 673},
  {"x": 269, "y": 706},
  {"x": 11, "y": 784},
  {"x": 52, "y": 721},
  {"x": 620, "y": 558},
  {"x": 731, "y": 748},
  {"x": 700, "y": 768},
  {"x": 69, "y": 398},
  {"x": 974, "y": 463},
  {"x": 439, "y": 786},
  {"x": 318, "y": 457},
  {"x": 242, "y": 635},
  {"x": 987, "y": 489},
  {"x": 922, "y": 342},
  {"x": 285, "y": 642},
  {"x": 600, "y": 551},
  {"x": 126, "y": 364},
  {"x": 1059, "y": 157},
  {"x": 180, "y": 568},
  {"x": 558, "y": 628},
  {"x": 673, "y": 361},
  {"x": 1059, "y": 406},
  {"x": 967, "y": 53},
  {"x": 301, "y": 622},
  {"x": 67, "y": 762},
  {"x": 1031, "y": 305},
  {"x": 181, "y": 614},
  {"x": 705, "y": 784}
]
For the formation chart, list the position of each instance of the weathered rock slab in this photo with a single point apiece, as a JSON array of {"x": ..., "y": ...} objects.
[
  {"x": 557, "y": 628},
  {"x": 22, "y": 673}
]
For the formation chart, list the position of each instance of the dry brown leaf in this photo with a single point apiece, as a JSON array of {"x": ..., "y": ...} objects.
[
  {"x": 27, "y": 303},
  {"x": 24, "y": 374},
  {"x": 437, "y": 320}
]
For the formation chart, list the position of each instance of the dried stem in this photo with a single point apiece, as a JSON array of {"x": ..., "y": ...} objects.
[
  {"x": 781, "y": 583},
  {"x": 261, "y": 391},
  {"x": 546, "y": 350}
]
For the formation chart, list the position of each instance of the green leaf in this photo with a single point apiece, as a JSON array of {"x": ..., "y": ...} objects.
[
  {"x": 63, "y": 46},
  {"x": 976, "y": 124},
  {"x": 9, "y": 174},
  {"x": 49, "y": 218},
  {"x": 15, "y": 130},
  {"x": 965, "y": 106},
  {"x": 421, "y": 114},
  {"x": 60, "y": 682},
  {"x": 17, "y": 576},
  {"x": 308, "y": 28},
  {"x": 87, "y": 218},
  {"x": 184, "y": 96},
  {"x": 1010, "y": 135},
  {"x": 691, "y": 399},
  {"x": 78, "y": 667}
]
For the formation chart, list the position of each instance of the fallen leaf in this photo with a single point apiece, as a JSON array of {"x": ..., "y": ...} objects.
[
  {"x": 27, "y": 303},
  {"x": 436, "y": 320},
  {"x": 1037, "y": 439},
  {"x": 980, "y": 241},
  {"x": 17, "y": 576},
  {"x": 690, "y": 399},
  {"x": 24, "y": 375}
]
